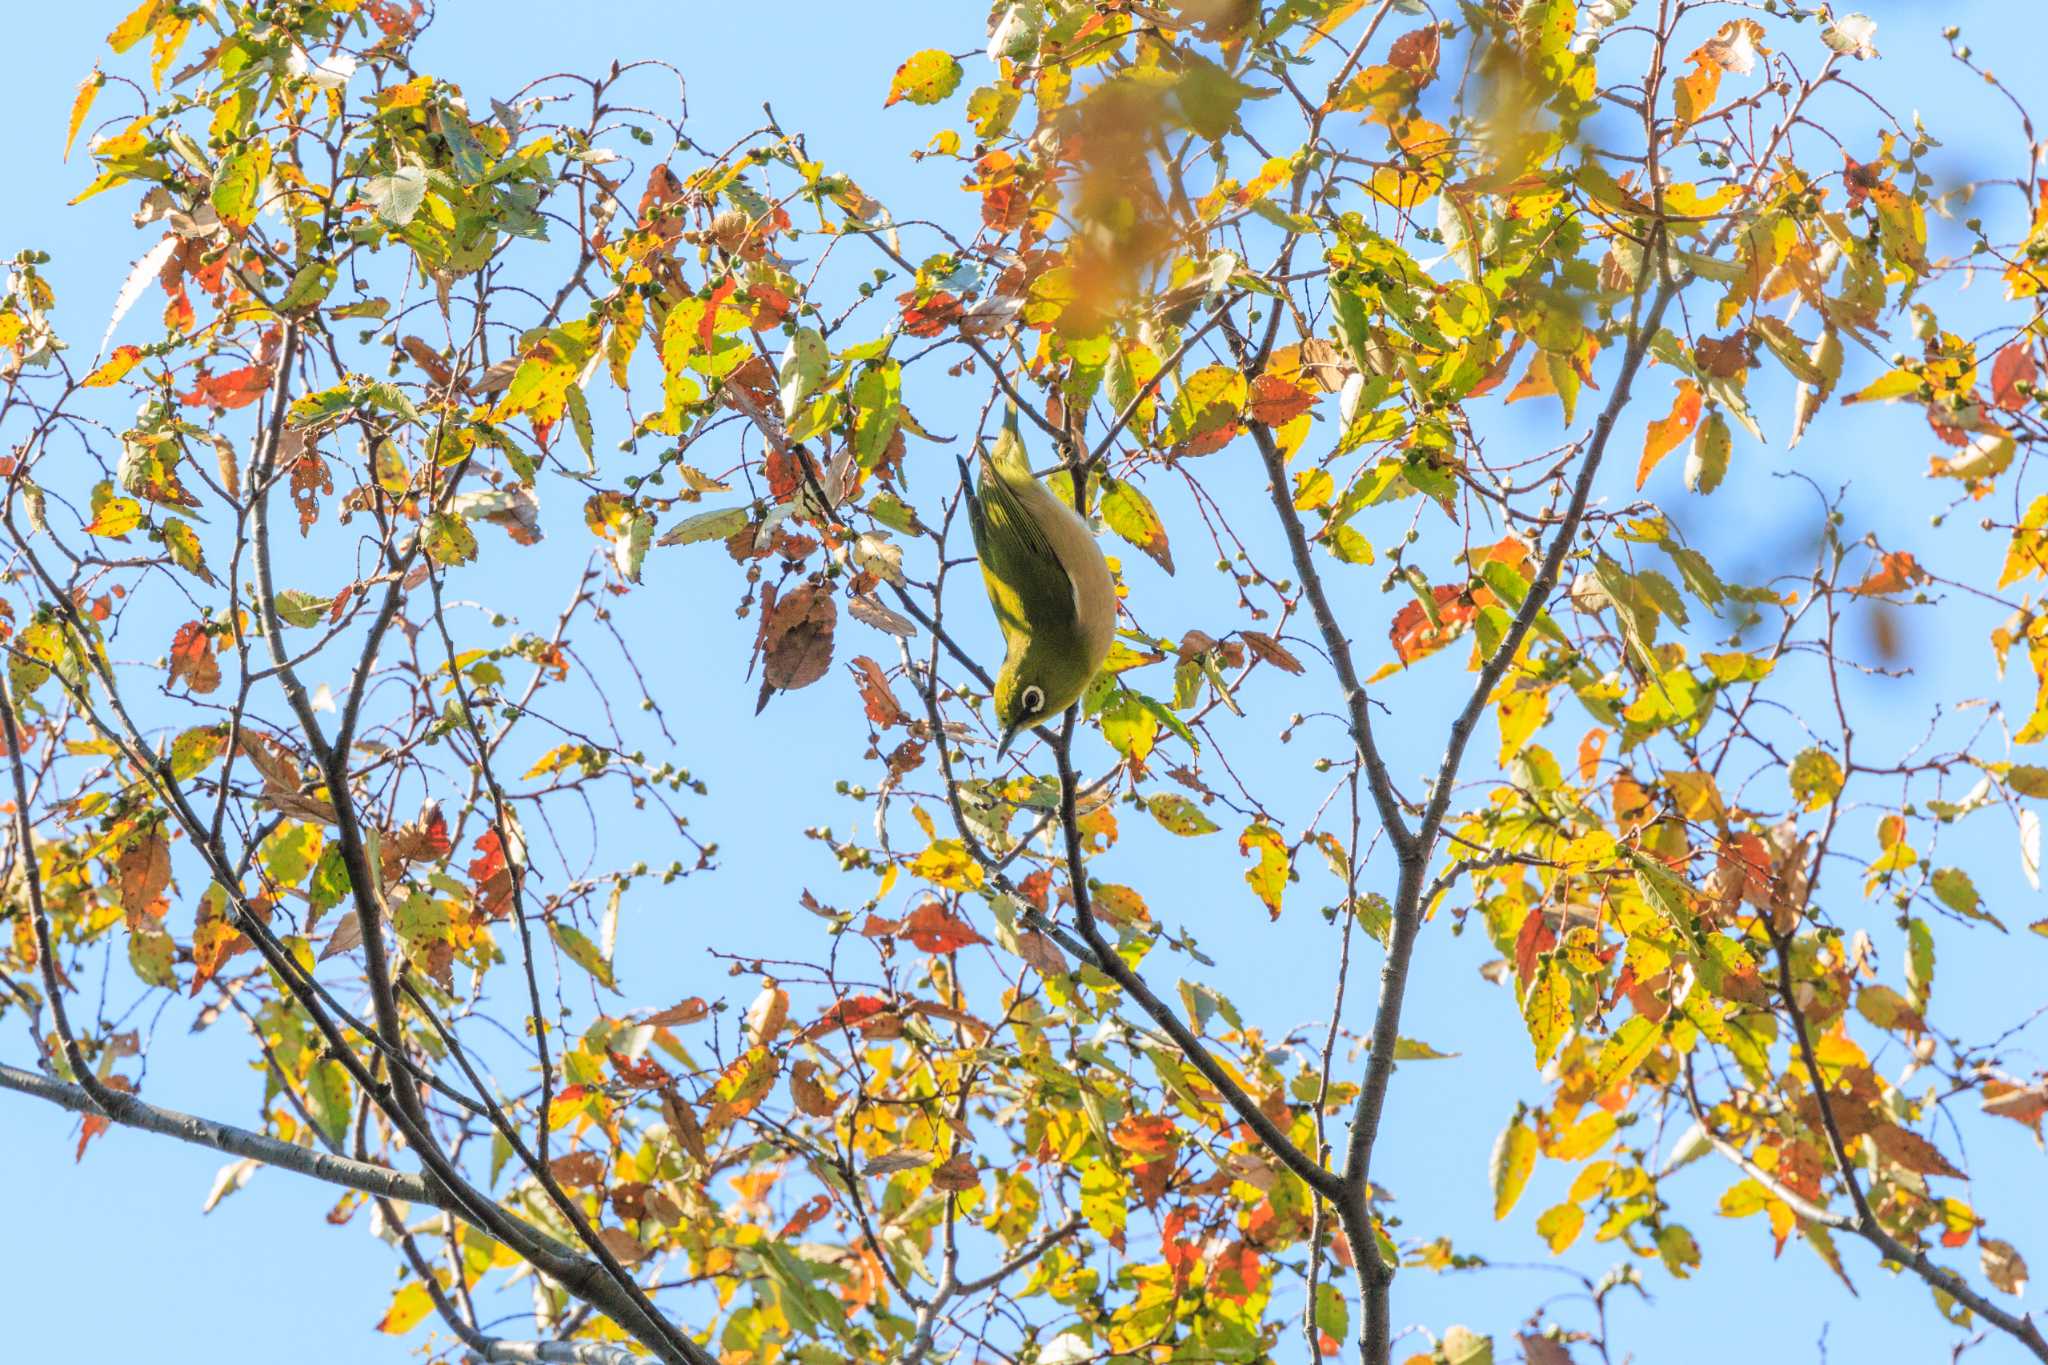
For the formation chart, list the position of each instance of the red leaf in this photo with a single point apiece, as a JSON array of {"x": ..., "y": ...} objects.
[
  {"x": 863, "y": 1012},
  {"x": 2014, "y": 365},
  {"x": 1412, "y": 634},
  {"x": 929, "y": 317},
  {"x": 222, "y": 392}
]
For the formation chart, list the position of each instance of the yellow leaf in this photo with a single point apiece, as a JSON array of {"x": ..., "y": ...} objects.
[
  {"x": 1559, "y": 1226},
  {"x": 1514, "y": 1156},
  {"x": 81, "y": 105},
  {"x": 112, "y": 515},
  {"x": 926, "y": 78},
  {"x": 947, "y": 863},
  {"x": 408, "y": 1306},
  {"x": 1269, "y": 878},
  {"x": 113, "y": 369},
  {"x": 1583, "y": 1138},
  {"x": 130, "y": 31},
  {"x": 1548, "y": 1010}
]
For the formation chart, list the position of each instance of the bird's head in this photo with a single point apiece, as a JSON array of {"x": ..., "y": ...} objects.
[{"x": 1023, "y": 696}]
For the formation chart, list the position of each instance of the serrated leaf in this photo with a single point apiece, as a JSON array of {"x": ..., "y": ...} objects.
[
  {"x": 716, "y": 524},
  {"x": 1131, "y": 515}
]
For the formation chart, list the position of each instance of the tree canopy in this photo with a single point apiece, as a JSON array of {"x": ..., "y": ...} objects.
[{"x": 1417, "y": 363}]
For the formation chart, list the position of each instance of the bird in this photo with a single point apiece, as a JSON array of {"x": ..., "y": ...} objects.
[{"x": 1048, "y": 582}]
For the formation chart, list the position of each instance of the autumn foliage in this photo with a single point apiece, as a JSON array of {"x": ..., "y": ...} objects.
[{"x": 1399, "y": 320}]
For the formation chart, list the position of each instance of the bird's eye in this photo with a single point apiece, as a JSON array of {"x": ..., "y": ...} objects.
[{"x": 1033, "y": 699}]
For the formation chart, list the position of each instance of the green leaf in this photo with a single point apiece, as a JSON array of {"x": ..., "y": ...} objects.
[
  {"x": 1415, "y": 1050},
  {"x": 396, "y": 197},
  {"x": 1955, "y": 889},
  {"x": 301, "y": 609},
  {"x": 309, "y": 287},
  {"x": 1706, "y": 463},
  {"x": 2027, "y": 780},
  {"x": 238, "y": 183},
  {"x": 1624, "y": 1051},
  {"x": 878, "y": 395},
  {"x": 448, "y": 539},
  {"x": 291, "y": 852},
  {"x": 1919, "y": 961},
  {"x": 716, "y": 524},
  {"x": 153, "y": 954},
  {"x": 1130, "y": 514},
  {"x": 1180, "y": 815},
  {"x": 328, "y": 1097},
  {"x": 578, "y": 948},
  {"x": 422, "y": 920},
  {"x": 1209, "y": 97},
  {"x": 186, "y": 552}
]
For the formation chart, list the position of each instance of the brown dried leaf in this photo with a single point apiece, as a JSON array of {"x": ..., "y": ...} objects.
[
  {"x": 348, "y": 933},
  {"x": 870, "y": 612},
  {"x": 810, "y": 1095},
  {"x": 882, "y": 707},
  {"x": 797, "y": 638},
  {"x": 1271, "y": 650},
  {"x": 1904, "y": 1147},
  {"x": 2003, "y": 1265},
  {"x": 576, "y": 1169},
  {"x": 687, "y": 1012}
]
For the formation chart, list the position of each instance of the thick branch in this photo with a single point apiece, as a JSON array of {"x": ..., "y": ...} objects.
[{"x": 130, "y": 1112}]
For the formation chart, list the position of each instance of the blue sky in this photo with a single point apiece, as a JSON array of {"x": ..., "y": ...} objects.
[{"x": 111, "y": 1259}]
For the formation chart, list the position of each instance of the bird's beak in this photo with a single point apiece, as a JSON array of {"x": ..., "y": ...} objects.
[{"x": 1008, "y": 735}]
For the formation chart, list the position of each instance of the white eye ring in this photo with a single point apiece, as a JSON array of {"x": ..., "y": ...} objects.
[{"x": 1033, "y": 699}]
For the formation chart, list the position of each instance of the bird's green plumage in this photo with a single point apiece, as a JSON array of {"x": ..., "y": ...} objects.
[{"x": 1049, "y": 585}]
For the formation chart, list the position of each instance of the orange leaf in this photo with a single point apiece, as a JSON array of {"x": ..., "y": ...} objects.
[
  {"x": 1666, "y": 433},
  {"x": 935, "y": 930},
  {"x": 688, "y": 1012},
  {"x": 192, "y": 658},
  {"x": 1413, "y": 635},
  {"x": 1276, "y": 401},
  {"x": 882, "y": 707},
  {"x": 1899, "y": 572}
]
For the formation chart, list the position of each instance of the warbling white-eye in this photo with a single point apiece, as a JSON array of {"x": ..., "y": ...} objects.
[{"x": 1049, "y": 585}]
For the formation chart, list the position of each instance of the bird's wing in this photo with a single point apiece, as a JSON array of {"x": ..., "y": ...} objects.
[{"x": 1017, "y": 560}]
